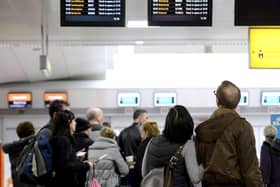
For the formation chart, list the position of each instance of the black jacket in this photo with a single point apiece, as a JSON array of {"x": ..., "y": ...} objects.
[
  {"x": 129, "y": 140},
  {"x": 270, "y": 163},
  {"x": 159, "y": 153},
  {"x": 82, "y": 141},
  {"x": 66, "y": 165},
  {"x": 14, "y": 149},
  {"x": 139, "y": 159}
]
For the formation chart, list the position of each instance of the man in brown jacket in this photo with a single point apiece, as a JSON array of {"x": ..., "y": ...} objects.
[{"x": 226, "y": 144}]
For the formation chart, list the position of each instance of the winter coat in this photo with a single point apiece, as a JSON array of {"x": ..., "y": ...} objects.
[
  {"x": 66, "y": 165},
  {"x": 129, "y": 140},
  {"x": 109, "y": 162},
  {"x": 14, "y": 149},
  {"x": 186, "y": 170},
  {"x": 138, "y": 166},
  {"x": 226, "y": 148},
  {"x": 82, "y": 142},
  {"x": 270, "y": 163}
]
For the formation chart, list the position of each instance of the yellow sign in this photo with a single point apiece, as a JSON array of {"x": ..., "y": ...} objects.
[{"x": 264, "y": 47}]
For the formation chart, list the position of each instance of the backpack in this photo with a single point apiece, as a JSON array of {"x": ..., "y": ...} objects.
[{"x": 34, "y": 165}]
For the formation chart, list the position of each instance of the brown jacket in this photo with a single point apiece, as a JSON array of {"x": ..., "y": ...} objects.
[{"x": 226, "y": 148}]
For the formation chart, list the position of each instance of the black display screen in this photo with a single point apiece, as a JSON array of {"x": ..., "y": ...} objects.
[
  {"x": 257, "y": 12},
  {"x": 93, "y": 13},
  {"x": 180, "y": 12}
]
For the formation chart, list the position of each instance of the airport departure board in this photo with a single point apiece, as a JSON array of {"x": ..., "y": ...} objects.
[
  {"x": 180, "y": 12},
  {"x": 257, "y": 12},
  {"x": 93, "y": 13}
]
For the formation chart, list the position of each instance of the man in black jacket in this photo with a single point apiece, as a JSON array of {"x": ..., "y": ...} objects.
[
  {"x": 130, "y": 139},
  {"x": 47, "y": 130},
  {"x": 95, "y": 117}
]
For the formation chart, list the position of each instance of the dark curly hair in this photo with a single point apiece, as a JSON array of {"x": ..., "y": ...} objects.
[{"x": 25, "y": 129}]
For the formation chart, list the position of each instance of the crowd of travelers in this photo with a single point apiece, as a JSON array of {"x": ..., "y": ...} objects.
[{"x": 86, "y": 152}]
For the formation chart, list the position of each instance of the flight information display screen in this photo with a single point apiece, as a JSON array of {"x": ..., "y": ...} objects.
[
  {"x": 180, "y": 12},
  {"x": 257, "y": 12},
  {"x": 93, "y": 13},
  {"x": 19, "y": 99}
]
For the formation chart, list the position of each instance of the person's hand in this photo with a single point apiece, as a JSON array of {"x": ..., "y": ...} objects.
[
  {"x": 81, "y": 155},
  {"x": 90, "y": 164}
]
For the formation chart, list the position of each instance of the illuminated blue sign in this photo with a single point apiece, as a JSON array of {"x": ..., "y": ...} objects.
[
  {"x": 165, "y": 99},
  {"x": 128, "y": 99}
]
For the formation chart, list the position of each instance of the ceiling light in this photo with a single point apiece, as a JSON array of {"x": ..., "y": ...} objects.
[
  {"x": 139, "y": 42},
  {"x": 137, "y": 24}
]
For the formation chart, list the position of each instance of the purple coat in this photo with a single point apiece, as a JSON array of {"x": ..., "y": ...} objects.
[{"x": 270, "y": 163}]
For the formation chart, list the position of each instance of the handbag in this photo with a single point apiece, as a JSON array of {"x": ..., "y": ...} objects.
[
  {"x": 168, "y": 170},
  {"x": 162, "y": 177}
]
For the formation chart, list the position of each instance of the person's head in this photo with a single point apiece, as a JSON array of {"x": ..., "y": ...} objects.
[
  {"x": 140, "y": 116},
  {"x": 83, "y": 126},
  {"x": 178, "y": 125},
  {"x": 25, "y": 129},
  {"x": 106, "y": 124},
  {"x": 58, "y": 105},
  {"x": 65, "y": 123},
  {"x": 95, "y": 115},
  {"x": 227, "y": 95},
  {"x": 270, "y": 131},
  {"x": 149, "y": 129},
  {"x": 108, "y": 133}
]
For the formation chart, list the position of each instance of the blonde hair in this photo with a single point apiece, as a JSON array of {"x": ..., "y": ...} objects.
[
  {"x": 108, "y": 132},
  {"x": 151, "y": 127},
  {"x": 270, "y": 131}
]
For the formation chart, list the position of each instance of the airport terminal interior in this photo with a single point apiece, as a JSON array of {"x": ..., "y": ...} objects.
[{"x": 133, "y": 59}]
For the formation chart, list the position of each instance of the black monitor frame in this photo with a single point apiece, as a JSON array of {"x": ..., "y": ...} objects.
[
  {"x": 171, "y": 23},
  {"x": 120, "y": 23}
]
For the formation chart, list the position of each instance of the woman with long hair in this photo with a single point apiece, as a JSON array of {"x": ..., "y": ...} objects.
[
  {"x": 177, "y": 132},
  {"x": 65, "y": 162}
]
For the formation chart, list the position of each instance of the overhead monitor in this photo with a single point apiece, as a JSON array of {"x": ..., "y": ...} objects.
[
  {"x": 257, "y": 12},
  {"x": 244, "y": 99},
  {"x": 128, "y": 99},
  {"x": 264, "y": 44},
  {"x": 165, "y": 99},
  {"x": 51, "y": 96},
  {"x": 270, "y": 98},
  {"x": 93, "y": 13},
  {"x": 180, "y": 12},
  {"x": 19, "y": 99}
]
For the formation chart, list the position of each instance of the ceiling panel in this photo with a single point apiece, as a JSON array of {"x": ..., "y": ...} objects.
[
  {"x": 11, "y": 69},
  {"x": 88, "y": 60}
]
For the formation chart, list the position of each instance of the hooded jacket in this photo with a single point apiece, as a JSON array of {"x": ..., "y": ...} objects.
[
  {"x": 226, "y": 148},
  {"x": 109, "y": 162}
]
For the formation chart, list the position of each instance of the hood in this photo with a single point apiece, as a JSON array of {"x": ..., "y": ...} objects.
[
  {"x": 104, "y": 143},
  {"x": 211, "y": 129},
  {"x": 162, "y": 148}
]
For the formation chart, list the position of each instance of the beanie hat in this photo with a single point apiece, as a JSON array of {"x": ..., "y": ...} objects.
[{"x": 82, "y": 124}]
